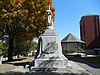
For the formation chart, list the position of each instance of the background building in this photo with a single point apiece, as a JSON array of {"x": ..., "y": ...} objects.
[
  {"x": 72, "y": 44},
  {"x": 90, "y": 31}
]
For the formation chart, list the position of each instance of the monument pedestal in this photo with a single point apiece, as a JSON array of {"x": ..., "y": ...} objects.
[
  {"x": 51, "y": 63},
  {"x": 49, "y": 53}
]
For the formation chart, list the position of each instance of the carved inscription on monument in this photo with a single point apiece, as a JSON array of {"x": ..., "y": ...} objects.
[{"x": 51, "y": 45}]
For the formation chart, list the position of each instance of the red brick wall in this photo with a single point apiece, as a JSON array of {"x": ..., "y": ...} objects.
[{"x": 90, "y": 30}]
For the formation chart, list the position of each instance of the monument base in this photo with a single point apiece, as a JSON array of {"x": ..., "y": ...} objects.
[
  {"x": 51, "y": 63},
  {"x": 49, "y": 55}
]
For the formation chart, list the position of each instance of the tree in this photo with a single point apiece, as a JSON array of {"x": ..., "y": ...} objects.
[
  {"x": 22, "y": 20},
  {"x": 1, "y": 52},
  {"x": 23, "y": 48},
  {"x": 3, "y": 48}
]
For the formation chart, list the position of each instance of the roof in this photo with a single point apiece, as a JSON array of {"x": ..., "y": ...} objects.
[
  {"x": 71, "y": 38},
  {"x": 90, "y": 15}
]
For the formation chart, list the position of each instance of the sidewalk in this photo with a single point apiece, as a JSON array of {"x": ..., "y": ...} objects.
[{"x": 72, "y": 69}]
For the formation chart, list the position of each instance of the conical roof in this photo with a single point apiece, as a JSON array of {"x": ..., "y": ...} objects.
[{"x": 71, "y": 38}]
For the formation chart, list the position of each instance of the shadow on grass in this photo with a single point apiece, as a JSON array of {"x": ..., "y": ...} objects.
[
  {"x": 20, "y": 64},
  {"x": 42, "y": 73},
  {"x": 1, "y": 74},
  {"x": 91, "y": 61},
  {"x": 17, "y": 62},
  {"x": 14, "y": 60}
]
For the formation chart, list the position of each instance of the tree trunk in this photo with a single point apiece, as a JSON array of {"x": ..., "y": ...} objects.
[
  {"x": 10, "y": 49},
  {"x": 1, "y": 58}
]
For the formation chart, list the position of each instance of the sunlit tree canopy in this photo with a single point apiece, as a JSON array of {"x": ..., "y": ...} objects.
[
  {"x": 24, "y": 17},
  {"x": 22, "y": 20}
]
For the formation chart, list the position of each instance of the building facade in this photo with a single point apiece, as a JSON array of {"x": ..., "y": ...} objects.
[
  {"x": 71, "y": 44},
  {"x": 90, "y": 31}
]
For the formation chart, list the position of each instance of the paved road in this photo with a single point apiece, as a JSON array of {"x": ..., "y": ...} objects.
[{"x": 94, "y": 71}]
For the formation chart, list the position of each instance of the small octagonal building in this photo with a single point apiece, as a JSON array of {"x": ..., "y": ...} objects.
[{"x": 72, "y": 44}]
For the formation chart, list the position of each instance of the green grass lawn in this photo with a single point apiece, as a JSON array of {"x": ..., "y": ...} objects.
[
  {"x": 93, "y": 60},
  {"x": 90, "y": 59}
]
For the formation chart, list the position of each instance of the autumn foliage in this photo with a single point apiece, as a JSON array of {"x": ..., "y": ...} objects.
[
  {"x": 28, "y": 15},
  {"x": 23, "y": 19}
]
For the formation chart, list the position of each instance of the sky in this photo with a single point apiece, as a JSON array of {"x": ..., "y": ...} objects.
[{"x": 69, "y": 12}]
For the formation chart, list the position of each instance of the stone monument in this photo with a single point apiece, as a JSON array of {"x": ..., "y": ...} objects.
[{"x": 49, "y": 53}]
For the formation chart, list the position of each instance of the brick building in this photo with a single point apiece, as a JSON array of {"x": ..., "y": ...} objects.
[{"x": 90, "y": 31}]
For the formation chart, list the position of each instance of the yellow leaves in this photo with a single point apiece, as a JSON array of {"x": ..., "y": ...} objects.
[
  {"x": 24, "y": 11},
  {"x": 33, "y": 17},
  {"x": 17, "y": 3},
  {"x": 20, "y": 0},
  {"x": 4, "y": 10},
  {"x": 0, "y": 1},
  {"x": 39, "y": 12},
  {"x": 26, "y": 18},
  {"x": 32, "y": 26},
  {"x": 32, "y": 3},
  {"x": 4, "y": 16},
  {"x": 1, "y": 4}
]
